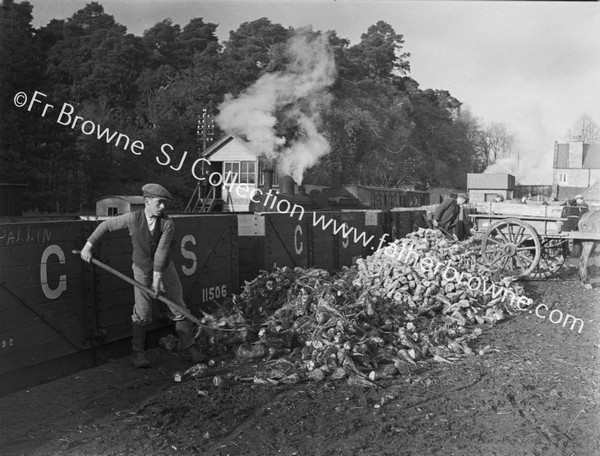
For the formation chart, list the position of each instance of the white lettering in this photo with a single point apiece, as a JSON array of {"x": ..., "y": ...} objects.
[
  {"x": 246, "y": 190},
  {"x": 90, "y": 123},
  {"x": 194, "y": 167},
  {"x": 575, "y": 320},
  {"x": 298, "y": 248},
  {"x": 62, "y": 284},
  {"x": 35, "y": 100},
  {"x": 162, "y": 149},
  {"x": 559, "y": 318},
  {"x": 286, "y": 202},
  {"x": 537, "y": 310},
  {"x": 137, "y": 144},
  {"x": 63, "y": 111},
  {"x": 218, "y": 183},
  {"x": 189, "y": 255},
  {"x": 254, "y": 192}
]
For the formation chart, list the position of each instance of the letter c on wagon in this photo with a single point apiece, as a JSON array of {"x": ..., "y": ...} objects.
[
  {"x": 298, "y": 248},
  {"x": 62, "y": 283}
]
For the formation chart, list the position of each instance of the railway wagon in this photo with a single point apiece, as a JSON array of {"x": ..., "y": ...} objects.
[
  {"x": 321, "y": 239},
  {"x": 375, "y": 197},
  {"x": 59, "y": 315}
]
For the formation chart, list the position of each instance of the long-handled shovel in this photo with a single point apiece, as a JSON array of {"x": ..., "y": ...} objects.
[
  {"x": 447, "y": 233},
  {"x": 186, "y": 313}
]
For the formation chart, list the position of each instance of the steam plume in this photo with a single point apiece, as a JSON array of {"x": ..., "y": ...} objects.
[
  {"x": 506, "y": 165},
  {"x": 293, "y": 98}
]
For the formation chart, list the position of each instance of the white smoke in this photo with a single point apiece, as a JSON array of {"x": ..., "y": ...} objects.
[
  {"x": 294, "y": 97},
  {"x": 530, "y": 162},
  {"x": 507, "y": 165}
]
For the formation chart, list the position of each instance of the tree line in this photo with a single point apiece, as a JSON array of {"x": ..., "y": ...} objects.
[{"x": 384, "y": 130}]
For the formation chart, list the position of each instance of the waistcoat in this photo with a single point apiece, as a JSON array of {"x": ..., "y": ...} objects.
[{"x": 145, "y": 243}]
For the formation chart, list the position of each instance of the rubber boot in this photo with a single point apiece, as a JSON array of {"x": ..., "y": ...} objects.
[
  {"x": 138, "y": 340},
  {"x": 187, "y": 343}
]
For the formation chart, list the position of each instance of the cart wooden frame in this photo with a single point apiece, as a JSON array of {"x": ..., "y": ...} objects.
[{"x": 525, "y": 246}]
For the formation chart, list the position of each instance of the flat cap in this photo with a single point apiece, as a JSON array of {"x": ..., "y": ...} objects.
[
  {"x": 463, "y": 196},
  {"x": 578, "y": 197},
  {"x": 156, "y": 191}
]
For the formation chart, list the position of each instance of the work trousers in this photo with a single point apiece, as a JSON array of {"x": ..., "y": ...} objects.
[{"x": 142, "y": 310}]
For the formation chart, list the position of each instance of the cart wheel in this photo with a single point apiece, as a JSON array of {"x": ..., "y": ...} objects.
[
  {"x": 554, "y": 254},
  {"x": 512, "y": 247}
]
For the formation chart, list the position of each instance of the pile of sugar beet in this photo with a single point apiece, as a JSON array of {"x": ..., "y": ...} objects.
[{"x": 405, "y": 303}]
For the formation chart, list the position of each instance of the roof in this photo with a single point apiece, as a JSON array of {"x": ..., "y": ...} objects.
[
  {"x": 590, "y": 160},
  {"x": 131, "y": 199},
  {"x": 218, "y": 145},
  {"x": 562, "y": 156},
  {"x": 591, "y": 156}
]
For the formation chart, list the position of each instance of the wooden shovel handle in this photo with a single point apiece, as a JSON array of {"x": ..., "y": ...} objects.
[{"x": 186, "y": 313}]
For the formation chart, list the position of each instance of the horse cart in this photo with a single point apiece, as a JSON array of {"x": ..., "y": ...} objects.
[{"x": 526, "y": 240}]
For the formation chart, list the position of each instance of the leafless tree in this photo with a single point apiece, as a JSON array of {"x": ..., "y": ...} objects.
[
  {"x": 498, "y": 142},
  {"x": 586, "y": 128}
]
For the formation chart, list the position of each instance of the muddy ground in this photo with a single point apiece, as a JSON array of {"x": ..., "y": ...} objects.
[{"x": 535, "y": 392}]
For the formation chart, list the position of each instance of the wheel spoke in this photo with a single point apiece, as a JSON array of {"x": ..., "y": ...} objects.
[
  {"x": 531, "y": 247},
  {"x": 509, "y": 235},
  {"x": 518, "y": 260},
  {"x": 504, "y": 264},
  {"x": 495, "y": 241},
  {"x": 499, "y": 257},
  {"x": 518, "y": 235},
  {"x": 526, "y": 258},
  {"x": 502, "y": 235}
]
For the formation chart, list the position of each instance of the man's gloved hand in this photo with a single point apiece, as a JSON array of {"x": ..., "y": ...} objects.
[
  {"x": 435, "y": 223},
  {"x": 157, "y": 285}
]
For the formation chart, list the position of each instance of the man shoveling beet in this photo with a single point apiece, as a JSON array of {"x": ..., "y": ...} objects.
[{"x": 151, "y": 233}]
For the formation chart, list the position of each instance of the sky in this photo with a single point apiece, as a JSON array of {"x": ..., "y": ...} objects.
[{"x": 532, "y": 66}]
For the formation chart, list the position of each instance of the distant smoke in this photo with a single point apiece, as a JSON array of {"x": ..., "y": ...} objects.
[
  {"x": 506, "y": 165},
  {"x": 531, "y": 163},
  {"x": 294, "y": 98}
]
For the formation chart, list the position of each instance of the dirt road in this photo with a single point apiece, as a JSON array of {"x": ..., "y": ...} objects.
[{"x": 535, "y": 392}]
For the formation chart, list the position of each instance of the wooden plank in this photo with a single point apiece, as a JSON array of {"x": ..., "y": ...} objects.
[
  {"x": 22, "y": 319},
  {"x": 15, "y": 318},
  {"x": 115, "y": 315},
  {"x": 27, "y": 275},
  {"x": 251, "y": 257},
  {"x": 575, "y": 235},
  {"x": 323, "y": 245},
  {"x": 520, "y": 210},
  {"x": 27, "y": 255},
  {"x": 45, "y": 233},
  {"x": 66, "y": 317},
  {"x": 348, "y": 250},
  {"x": 33, "y": 295},
  {"x": 286, "y": 241},
  {"x": 30, "y": 346}
]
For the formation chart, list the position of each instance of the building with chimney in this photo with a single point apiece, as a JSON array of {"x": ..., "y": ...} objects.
[
  {"x": 238, "y": 166},
  {"x": 576, "y": 168}
]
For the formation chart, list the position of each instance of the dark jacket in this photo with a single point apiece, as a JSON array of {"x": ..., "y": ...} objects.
[{"x": 447, "y": 214}]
